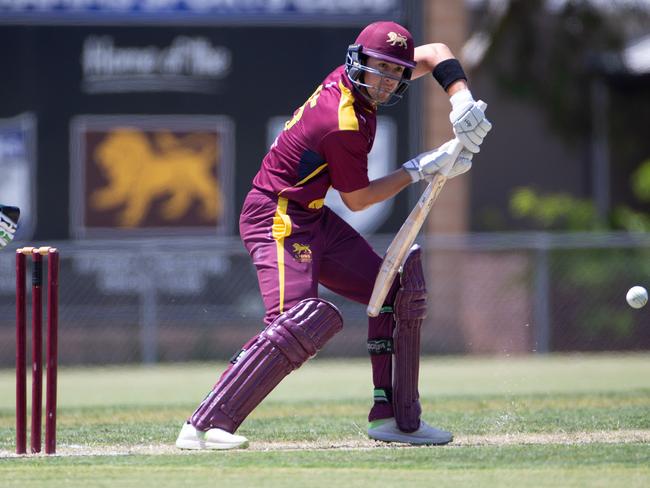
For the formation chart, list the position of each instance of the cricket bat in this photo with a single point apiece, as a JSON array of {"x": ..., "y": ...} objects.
[{"x": 403, "y": 240}]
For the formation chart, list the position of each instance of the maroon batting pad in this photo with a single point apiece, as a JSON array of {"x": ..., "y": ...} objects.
[
  {"x": 283, "y": 346},
  {"x": 410, "y": 310}
]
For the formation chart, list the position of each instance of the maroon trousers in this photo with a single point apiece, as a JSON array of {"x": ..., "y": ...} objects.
[{"x": 294, "y": 250}]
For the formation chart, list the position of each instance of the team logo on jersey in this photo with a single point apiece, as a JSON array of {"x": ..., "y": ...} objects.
[
  {"x": 302, "y": 253},
  {"x": 397, "y": 39}
]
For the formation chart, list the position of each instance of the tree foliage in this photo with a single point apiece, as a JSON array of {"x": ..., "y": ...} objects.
[
  {"x": 550, "y": 56},
  {"x": 561, "y": 211}
]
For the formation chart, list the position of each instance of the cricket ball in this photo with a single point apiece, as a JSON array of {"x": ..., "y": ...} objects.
[{"x": 637, "y": 297}]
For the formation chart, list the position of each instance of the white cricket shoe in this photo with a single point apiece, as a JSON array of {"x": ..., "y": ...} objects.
[
  {"x": 386, "y": 430},
  {"x": 192, "y": 438}
]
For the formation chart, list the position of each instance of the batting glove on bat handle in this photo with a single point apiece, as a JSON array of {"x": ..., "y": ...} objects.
[
  {"x": 462, "y": 165},
  {"x": 424, "y": 166}
]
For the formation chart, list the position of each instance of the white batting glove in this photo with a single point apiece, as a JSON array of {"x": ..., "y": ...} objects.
[
  {"x": 468, "y": 120},
  {"x": 424, "y": 166},
  {"x": 8, "y": 224},
  {"x": 462, "y": 165}
]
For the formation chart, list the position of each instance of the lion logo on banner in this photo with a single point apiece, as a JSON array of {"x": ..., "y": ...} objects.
[{"x": 177, "y": 171}]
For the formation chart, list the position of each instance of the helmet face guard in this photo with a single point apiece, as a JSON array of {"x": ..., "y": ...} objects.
[{"x": 355, "y": 67}]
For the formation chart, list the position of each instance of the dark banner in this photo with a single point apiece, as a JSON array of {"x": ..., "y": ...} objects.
[
  {"x": 222, "y": 12},
  {"x": 130, "y": 122}
]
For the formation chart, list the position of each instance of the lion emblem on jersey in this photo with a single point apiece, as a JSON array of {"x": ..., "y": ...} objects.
[
  {"x": 302, "y": 253},
  {"x": 174, "y": 172},
  {"x": 395, "y": 39}
]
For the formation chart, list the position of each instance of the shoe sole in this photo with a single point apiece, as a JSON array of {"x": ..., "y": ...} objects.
[
  {"x": 201, "y": 446},
  {"x": 414, "y": 442}
]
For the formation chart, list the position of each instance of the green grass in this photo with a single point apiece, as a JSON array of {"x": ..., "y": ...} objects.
[{"x": 581, "y": 420}]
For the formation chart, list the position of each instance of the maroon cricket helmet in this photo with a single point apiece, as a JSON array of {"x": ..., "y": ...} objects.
[{"x": 388, "y": 41}]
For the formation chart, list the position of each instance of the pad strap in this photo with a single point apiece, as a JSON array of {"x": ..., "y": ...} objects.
[
  {"x": 380, "y": 346},
  {"x": 382, "y": 395}
]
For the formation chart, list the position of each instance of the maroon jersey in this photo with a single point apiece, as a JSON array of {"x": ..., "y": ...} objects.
[{"x": 326, "y": 143}]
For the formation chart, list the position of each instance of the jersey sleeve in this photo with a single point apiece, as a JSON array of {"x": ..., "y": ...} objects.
[{"x": 346, "y": 155}]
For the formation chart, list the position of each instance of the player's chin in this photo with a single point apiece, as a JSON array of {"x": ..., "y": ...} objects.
[{"x": 382, "y": 96}]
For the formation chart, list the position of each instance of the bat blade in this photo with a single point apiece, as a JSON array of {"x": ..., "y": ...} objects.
[
  {"x": 402, "y": 242},
  {"x": 405, "y": 237}
]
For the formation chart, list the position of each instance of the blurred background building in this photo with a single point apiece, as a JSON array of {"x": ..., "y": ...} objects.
[{"x": 130, "y": 132}]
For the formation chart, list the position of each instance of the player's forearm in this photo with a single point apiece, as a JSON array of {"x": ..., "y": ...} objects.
[
  {"x": 389, "y": 185},
  {"x": 428, "y": 56},
  {"x": 377, "y": 191}
]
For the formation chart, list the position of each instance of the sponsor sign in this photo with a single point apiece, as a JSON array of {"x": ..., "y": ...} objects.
[
  {"x": 198, "y": 11},
  {"x": 187, "y": 64},
  {"x": 151, "y": 175}
]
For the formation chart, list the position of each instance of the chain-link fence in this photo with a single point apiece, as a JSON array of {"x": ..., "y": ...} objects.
[{"x": 179, "y": 300}]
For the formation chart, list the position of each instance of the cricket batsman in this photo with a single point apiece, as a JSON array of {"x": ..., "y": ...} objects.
[
  {"x": 297, "y": 243},
  {"x": 8, "y": 223}
]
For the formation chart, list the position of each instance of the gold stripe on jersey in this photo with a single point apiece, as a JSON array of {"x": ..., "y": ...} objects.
[
  {"x": 306, "y": 178},
  {"x": 311, "y": 175},
  {"x": 347, "y": 115},
  {"x": 316, "y": 204},
  {"x": 281, "y": 229}
]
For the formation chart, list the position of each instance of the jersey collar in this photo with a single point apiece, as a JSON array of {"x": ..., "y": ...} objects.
[{"x": 363, "y": 102}]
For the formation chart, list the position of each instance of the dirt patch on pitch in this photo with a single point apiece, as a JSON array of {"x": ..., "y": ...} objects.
[
  {"x": 607, "y": 437},
  {"x": 563, "y": 438}
]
